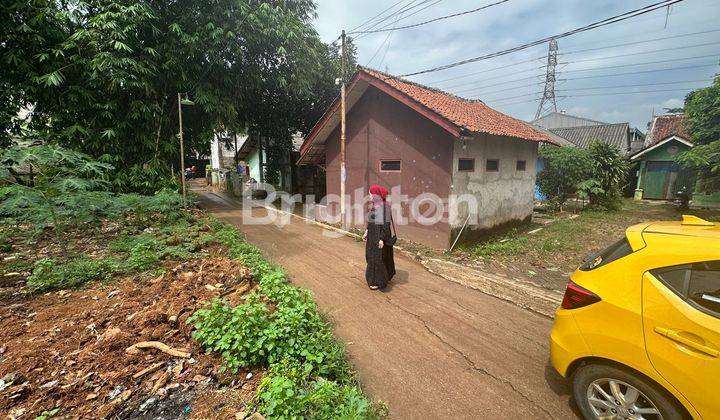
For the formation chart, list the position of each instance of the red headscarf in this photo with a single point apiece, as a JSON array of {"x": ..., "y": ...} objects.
[{"x": 378, "y": 190}]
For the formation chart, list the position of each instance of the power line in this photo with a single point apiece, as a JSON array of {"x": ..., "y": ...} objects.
[
  {"x": 417, "y": 11},
  {"x": 579, "y": 78},
  {"x": 705, "y": 44},
  {"x": 642, "y": 42},
  {"x": 568, "y": 53},
  {"x": 402, "y": 10},
  {"x": 501, "y": 76},
  {"x": 640, "y": 72},
  {"x": 494, "y": 101},
  {"x": 486, "y": 71},
  {"x": 642, "y": 64},
  {"x": 580, "y": 70},
  {"x": 386, "y": 41},
  {"x": 376, "y": 16},
  {"x": 594, "y": 25},
  {"x": 612, "y": 87},
  {"x": 633, "y": 92},
  {"x": 641, "y": 84},
  {"x": 415, "y": 25}
]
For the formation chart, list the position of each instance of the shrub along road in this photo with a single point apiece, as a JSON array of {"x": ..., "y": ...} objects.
[{"x": 428, "y": 347}]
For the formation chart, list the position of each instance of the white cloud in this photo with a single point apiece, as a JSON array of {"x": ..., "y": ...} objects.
[{"x": 514, "y": 23}]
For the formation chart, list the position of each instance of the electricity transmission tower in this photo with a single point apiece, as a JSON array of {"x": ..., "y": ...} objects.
[{"x": 547, "y": 102}]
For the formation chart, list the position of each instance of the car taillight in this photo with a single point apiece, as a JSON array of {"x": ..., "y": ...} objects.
[{"x": 577, "y": 297}]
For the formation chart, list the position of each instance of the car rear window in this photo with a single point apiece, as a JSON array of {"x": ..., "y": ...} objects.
[
  {"x": 697, "y": 284},
  {"x": 614, "y": 252}
]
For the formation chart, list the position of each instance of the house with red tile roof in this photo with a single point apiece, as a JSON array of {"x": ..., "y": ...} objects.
[
  {"x": 659, "y": 177},
  {"x": 419, "y": 141}
]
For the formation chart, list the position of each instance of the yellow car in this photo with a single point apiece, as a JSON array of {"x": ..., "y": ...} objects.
[{"x": 638, "y": 331}]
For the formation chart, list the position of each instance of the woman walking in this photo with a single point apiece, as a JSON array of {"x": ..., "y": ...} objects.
[{"x": 379, "y": 241}]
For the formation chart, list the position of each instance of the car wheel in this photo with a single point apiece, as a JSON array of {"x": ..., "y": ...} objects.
[{"x": 607, "y": 392}]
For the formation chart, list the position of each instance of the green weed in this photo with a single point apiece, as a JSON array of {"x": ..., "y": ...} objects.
[
  {"x": 309, "y": 373},
  {"x": 288, "y": 393},
  {"x": 510, "y": 244},
  {"x": 50, "y": 274}
]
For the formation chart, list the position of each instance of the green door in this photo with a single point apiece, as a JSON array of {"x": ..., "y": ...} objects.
[{"x": 660, "y": 180}]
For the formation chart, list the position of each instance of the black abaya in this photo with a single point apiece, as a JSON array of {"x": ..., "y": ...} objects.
[{"x": 380, "y": 262}]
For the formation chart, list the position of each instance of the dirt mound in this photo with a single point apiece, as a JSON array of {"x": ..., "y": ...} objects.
[{"x": 72, "y": 349}]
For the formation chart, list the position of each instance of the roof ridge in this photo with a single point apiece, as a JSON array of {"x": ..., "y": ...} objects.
[
  {"x": 589, "y": 126},
  {"x": 420, "y": 85},
  {"x": 568, "y": 115}
]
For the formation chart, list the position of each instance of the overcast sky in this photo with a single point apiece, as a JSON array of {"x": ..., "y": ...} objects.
[{"x": 511, "y": 83}]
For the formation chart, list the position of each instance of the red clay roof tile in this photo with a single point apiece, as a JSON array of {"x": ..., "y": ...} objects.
[
  {"x": 468, "y": 115},
  {"x": 665, "y": 126},
  {"x": 472, "y": 115}
]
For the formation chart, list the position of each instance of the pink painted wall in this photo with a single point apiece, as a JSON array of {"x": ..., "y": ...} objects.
[{"x": 380, "y": 127}]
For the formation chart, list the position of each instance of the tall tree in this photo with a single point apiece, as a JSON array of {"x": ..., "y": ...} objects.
[
  {"x": 702, "y": 115},
  {"x": 103, "y": 75}
]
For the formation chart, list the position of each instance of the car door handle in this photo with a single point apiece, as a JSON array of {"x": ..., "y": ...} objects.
[{"x": 674, "y": 336}]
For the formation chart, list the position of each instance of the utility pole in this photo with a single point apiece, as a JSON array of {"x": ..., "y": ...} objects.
[
  {"x": 549, "y": 91},
  {"x": 182, "y": 149},
  {"x": 343, "y": 172}
]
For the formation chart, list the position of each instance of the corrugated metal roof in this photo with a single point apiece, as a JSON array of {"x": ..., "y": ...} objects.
[
  {"x": 614, "y": 134},
  {"x": 555, "y": 120}
]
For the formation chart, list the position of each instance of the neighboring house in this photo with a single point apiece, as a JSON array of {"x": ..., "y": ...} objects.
[
  {"x": 574, "y": 131},
  {"x": 293, "y": 179},
  {"x": 560, "y": 119},
  {"x": 423, "y": 140},
  {"x": 620, "y": 136},
  {"x": 223, "y": 149},
  {"x": 659, "y": 177}
]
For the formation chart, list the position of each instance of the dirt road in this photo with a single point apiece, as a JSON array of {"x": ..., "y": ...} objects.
[{"x": 430, "y": 348}]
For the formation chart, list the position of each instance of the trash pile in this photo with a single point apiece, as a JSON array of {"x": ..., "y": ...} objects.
[{"x": 122, "y": 349}]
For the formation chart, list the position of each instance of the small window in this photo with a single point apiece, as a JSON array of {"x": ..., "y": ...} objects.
[
  {"x": 697, "y": 284},
  {"x": 520, "y": 165},
  {"x": 492, "y": 165},
  {"x": 614, "y": 252},
  {"x": 390, "y": 165},
  {"x": 466, "y": 165}
]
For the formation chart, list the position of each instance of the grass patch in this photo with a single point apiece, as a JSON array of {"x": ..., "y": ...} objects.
[
  {"x": 309, "y": 376},
  {"x": 510, "y": 244},
  {"x": 52, "y": 274},
  {"x": 278, "y": 326}
]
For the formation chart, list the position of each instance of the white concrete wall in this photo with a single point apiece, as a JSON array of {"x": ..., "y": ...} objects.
[
  {"x": 502, "y": 196},
  {"x": 221, "y": 156}
]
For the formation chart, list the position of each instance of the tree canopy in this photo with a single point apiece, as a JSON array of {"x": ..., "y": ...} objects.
[
  {"x": 702, "y": 115},
  {"x": 102, "y": 76}
]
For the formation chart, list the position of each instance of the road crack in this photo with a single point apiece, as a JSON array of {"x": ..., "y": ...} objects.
[{"x": 468, "y": 360}]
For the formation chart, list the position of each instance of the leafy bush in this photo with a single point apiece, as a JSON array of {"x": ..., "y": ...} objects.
[
  {"x": 565, "y": 168},
  {"x": 596, "y": 174},
  {"x": 50, "y": 186},
  {"x": 287, "y": 393},
  {"x": 145, "y": 179},
  {"x": 40, "y": 177},
  {"x": 251, "y": 334},
  {"x": 279, "y": 326},
  {"x": 607, "y": 177},
  {"x": 702, "y": 120},
  {"x": 51, "y": 274}
]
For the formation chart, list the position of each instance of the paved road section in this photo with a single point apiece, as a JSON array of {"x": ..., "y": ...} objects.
[{"x": 429, "y": 348}]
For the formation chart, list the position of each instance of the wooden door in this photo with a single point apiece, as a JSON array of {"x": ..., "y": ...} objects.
[{"x": 660, "y": 177}]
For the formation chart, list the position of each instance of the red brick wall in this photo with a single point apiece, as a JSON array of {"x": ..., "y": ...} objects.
[{"x": 380, "y": 127}]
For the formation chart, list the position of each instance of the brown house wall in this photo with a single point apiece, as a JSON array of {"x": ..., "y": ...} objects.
[{"x": 380, "y": 127}]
